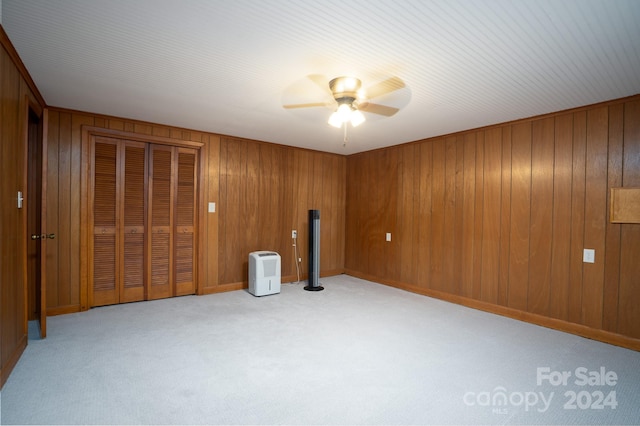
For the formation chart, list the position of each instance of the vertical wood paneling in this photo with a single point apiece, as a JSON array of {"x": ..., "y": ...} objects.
[
  {"x": 340, "y": 165},
  {"x": 64, "y": 211},
  {"x": 505, "y": 218},
  {"x": 223, "y": 184},
  {"x": 389, "y": 196},
  {"x": 53, "y": 190},
  {"x": 520, "y": 215},
  {"x": 300, "y": 218},
  {"x": 143, "y": 129},
  {"x": 577, "y": 216},
  {"x": 240, "y": 209},
  {"x": 268, "y": 197},
  {"x": 377, "y": 219},
  {"x": 425, "y": 231},
  {"x": 327, "y": 211},
  {"x": 468, "y": 214},
  {"x": 250, "y": 191},
  {"x": 115, "y": 125},
  {"x": 101, "y": 122},
  {"x": 417, "y": 217},
  {"x": 265, "y": 192},
  {"x": 478, "y": 217},
  {"x": 448, "y": 242},
  {"x": 438, "y": 194},
  {"x": 210, "y": 256},
  {"x": 629, "y": 293},
  {"x": 561, "y": 243},
  {"x": 507, "y": 211},
  {"x": 492, "y": 180},
  {"x": 595, "y": 214},
  {"x": 542, "y": 160},
  {"x": 613, "y": 230},
  {"x": 77, "y": 121},
  {"x": 234, "y": 207},
  {"x": 459, "y": 216},
  {"x": 381, "y": 256},
  {"x": 406, "y": 214}
]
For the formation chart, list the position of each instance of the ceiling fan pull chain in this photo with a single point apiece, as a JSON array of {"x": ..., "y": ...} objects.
[{"x": 345, "y": 134}]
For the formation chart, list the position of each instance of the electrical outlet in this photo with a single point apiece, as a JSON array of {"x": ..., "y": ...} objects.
[
  {"x": 294, "y": 234},
  {"x": 388, "y": 236},
  {"x": 589, "y": 256}
]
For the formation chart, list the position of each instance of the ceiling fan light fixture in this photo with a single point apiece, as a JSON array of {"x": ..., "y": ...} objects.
[
  {"x": 352, "y": 100},
  {"x": 357, "y": 118},
  {"x": 334, "y": 120},
  {"x": 346, "y": 113},
  {"x": 343, "y": 114}
]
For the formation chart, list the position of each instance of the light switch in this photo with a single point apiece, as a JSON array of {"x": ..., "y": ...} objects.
[
  {"x": 388, "y": 236},
  {"x": 589, "y": 256},
  {"x": 212, "y": 207}
]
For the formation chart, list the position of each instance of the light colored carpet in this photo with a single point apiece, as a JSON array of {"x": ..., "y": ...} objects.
[{"x": 356, "y": 353}]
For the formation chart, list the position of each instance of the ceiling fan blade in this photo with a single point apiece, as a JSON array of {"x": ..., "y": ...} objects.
[
  {"x": 321, "y": 81},
  {"x": 384, "y": 87},
  {"x": 309, "y": 105},
  {"x": 378, "y": 109}
]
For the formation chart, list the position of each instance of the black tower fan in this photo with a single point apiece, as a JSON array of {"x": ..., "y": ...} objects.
[{"x": 314, "y": 251}]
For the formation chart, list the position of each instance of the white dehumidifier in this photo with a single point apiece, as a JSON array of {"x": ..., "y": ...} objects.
[{"x": 264, "y": 273}]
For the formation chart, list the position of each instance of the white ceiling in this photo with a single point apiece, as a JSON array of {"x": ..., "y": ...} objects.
[{"x": 228, "y": 66}]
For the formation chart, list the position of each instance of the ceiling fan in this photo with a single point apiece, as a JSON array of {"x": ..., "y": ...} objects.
[{"x": 349, "y": 99}]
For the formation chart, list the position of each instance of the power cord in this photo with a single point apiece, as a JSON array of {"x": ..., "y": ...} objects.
[{"x": 297, "y": 259}]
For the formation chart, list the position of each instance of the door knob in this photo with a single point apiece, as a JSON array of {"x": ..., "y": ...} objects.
[{"x": 42, "y": 236}]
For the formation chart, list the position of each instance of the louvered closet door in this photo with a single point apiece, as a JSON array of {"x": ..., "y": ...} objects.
[
  {"x": 144, "y": 216},
  {"x": 132, "y": 213},
  {"x": 119, "y": 194},
  {"x": 161, "y": 221},
  {"x": 105, "y": 284},
  {"x": 185, "y": 221}
]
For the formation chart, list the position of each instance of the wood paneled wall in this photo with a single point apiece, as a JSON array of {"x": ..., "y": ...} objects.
[
  {"x": 498, "y": 218},
  {"x": 16, "y": 96},
  {"x": 262, "y": 191},
  {"x": 266, "y": 192}
]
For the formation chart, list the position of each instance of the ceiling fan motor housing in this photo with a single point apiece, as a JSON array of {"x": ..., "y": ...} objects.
[{"x": 345, "y": 90}]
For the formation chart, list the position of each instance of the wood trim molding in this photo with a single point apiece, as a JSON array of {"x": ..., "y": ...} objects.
[
  {"x": 88, "y": 131},
  {"x": 556, "y": 324},
  {"x": 223, "y": 288},
  {"x": 63, "y": 310},
  {"x": 13, "y": 54},
  {"x": 7, "y": 368}
]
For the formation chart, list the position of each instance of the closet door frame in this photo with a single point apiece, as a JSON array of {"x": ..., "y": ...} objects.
[{"x": 86, "y": 232}]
